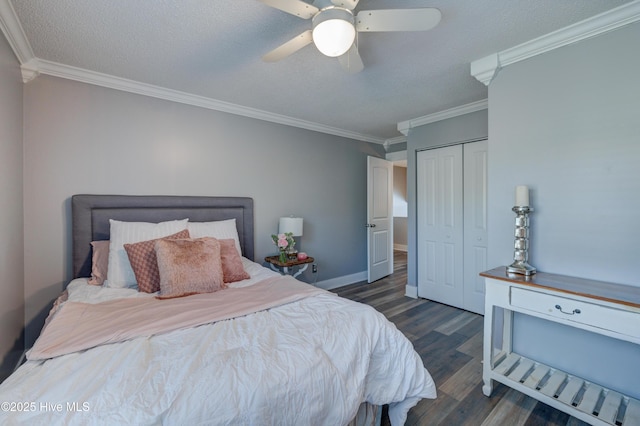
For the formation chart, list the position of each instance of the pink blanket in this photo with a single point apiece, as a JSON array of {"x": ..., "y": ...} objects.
[{"x": 79, "y": 326}]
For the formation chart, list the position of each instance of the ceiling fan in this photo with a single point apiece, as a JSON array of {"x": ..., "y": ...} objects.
[{"x": 334, "y": 27}]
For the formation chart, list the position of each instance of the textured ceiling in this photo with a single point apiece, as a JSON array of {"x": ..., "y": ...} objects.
[{"x": 213, "y": 48}]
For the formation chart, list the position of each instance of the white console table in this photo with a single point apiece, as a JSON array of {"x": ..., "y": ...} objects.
[{"x": 599, "y": 307}]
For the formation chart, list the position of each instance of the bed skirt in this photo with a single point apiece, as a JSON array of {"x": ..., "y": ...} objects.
[{"x": 368, "y": 415}]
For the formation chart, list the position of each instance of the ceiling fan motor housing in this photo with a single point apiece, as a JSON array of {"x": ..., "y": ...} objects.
[{"x": 333, "y": 30}]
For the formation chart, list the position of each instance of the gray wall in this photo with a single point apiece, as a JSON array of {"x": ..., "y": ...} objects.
[
  {"x": 566, "y": 123},
  {"x": 465, "y": 128},
  {"x": 397, "y": 147},
  {"x": 87, "y": 139},
  {"x": 11, "y": 237}
]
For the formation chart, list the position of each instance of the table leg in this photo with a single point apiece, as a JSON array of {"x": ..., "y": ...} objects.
[
  {"x": 301, "y": 270},
  {"x": 487, "y": 362}
]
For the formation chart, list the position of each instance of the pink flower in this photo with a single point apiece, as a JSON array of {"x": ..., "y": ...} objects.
[{"x": 282, "y": 242}]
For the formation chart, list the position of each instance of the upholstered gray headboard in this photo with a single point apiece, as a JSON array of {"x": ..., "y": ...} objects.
[{"x": 91, "y": 214}]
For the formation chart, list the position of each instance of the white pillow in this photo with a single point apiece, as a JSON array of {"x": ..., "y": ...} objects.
[
  {"x": 120, "y": 274},
  {"x": 221, "y": 229}
]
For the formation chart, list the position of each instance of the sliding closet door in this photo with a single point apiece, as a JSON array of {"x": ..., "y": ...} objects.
[{"x": 440, "y": 225}]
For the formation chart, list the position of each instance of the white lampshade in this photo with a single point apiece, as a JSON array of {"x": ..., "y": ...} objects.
[
  {"x": 333, "y": 31},
  {"x": 290, "y": 224}
]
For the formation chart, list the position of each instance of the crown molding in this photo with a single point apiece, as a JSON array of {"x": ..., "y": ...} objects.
[
  {"x": 12, "y": 29},
  {"x": 486, "y": 69},
  {"x": 395, "y": 140},
  {"x": 30, "y": 70},
  {"x": 40, "y": 66},
  {"x": 405, "y": 126},
  {"x": 387, "y": 143}
]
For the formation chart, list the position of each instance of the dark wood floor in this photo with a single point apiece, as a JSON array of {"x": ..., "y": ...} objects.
[{"x": 450, "y": 343}]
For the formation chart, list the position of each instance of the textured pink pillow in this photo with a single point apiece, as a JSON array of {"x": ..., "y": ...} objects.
[
  {"x": 189, "y": 267},
  {"x": 99, "y": 262},
  {"x": 232, "y": 269},
  {"x": 142, "y": 257}
]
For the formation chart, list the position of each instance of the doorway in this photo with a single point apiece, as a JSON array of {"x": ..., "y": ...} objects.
[{"x": 400, "y": 207}]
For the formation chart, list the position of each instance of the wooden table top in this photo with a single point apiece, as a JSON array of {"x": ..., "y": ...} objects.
[
  {"x": 601, "y": 290},
  {"x": 292, "y": 262}
]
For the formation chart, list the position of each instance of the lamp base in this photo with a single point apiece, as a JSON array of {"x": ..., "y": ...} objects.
[{"x": 522, "y": 268}]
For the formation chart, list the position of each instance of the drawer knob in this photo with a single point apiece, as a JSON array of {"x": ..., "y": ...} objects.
[{"x": 575, "y": 311}]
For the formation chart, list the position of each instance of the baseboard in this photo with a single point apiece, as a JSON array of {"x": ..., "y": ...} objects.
[
  {"x": 411, "y": 291},
  {"x": 342, "y": 281},
  {"x": 401, "y": 247}
]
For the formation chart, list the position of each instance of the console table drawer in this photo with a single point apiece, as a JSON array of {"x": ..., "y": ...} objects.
[{"x": 604, "y": 317}]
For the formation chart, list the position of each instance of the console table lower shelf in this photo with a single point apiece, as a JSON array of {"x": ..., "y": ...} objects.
[
  {"x": 603, "y": 308},
  {"x": 597, "y": 405}
]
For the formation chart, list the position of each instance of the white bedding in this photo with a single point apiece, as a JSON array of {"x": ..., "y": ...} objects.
[{"x": 308, "y": 362}]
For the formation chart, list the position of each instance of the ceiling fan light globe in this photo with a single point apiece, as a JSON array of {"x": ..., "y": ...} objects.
[
  {"x": 333, "y": 31},
  {"x": 334, "y": 37}
]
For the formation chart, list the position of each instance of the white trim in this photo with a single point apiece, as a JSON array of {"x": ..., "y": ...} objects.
[
  {"x": 342, "y": 281},
  {"x": 485, "y": 69},
  {"x": 405, "y": 126},
  {"x": 389, "y": 142},
  {"x": 411, "y": 291},
  {"x": 12, "y": 29},
  {"x": 91, "y": 77},
  {"x": 30, "y": 70}
]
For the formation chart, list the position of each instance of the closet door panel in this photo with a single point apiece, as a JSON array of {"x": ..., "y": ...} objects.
[
  {"x": 440, "y": 225},
  {"x": 475, "y": 224}
]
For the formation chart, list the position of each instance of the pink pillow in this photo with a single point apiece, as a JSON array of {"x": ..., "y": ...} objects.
[
  {"x": 142, "y": 257},
  {"x": 232, "y": 269},
  {"x": 99, "y": 262},
  {"x": 189, "y": 267}
]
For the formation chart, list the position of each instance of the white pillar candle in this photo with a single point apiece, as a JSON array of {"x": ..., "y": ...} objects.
[{"x": 522, "y": 196}]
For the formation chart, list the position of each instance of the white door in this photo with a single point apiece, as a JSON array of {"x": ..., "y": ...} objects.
[
  {"x": 475, "y": 224},
  {"x": 379, "y": 218},
  {"x": 440, "y": 225}
]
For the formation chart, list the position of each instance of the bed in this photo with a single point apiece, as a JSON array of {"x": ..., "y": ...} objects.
[{"x": 266, "y": 350}]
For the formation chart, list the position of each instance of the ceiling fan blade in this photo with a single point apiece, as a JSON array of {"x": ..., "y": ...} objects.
[
  {"x": 288, "y": 48},
  {"x": 351, "y": 61},
  {"x": 349, "y": 4},
  {"x": 397, "y": 20},
  {"x": 294, "y": 7}
]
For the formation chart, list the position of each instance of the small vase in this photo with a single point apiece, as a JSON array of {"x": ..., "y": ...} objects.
[{"x": 283, "y": 256}]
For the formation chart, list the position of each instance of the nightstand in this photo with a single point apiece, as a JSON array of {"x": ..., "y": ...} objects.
[{"x": 290, "y": 266}]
